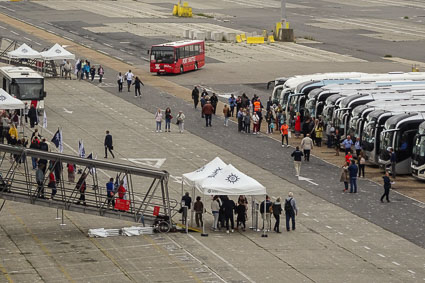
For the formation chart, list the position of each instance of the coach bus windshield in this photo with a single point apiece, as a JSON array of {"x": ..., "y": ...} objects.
[
  {"x": 27, "y": 89},
  {"x": 162, "y": 54}
]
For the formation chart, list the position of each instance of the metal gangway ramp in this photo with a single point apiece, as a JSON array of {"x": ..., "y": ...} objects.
[{"x": 147, "y": 189}]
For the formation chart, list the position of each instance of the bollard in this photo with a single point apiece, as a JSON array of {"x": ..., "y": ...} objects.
[
  {"x": 57, "y": 214},
  {"x": 62, "y": 224}
]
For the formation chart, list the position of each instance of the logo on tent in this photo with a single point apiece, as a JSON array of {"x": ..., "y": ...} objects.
[
  {"x": 58, "y": 51},
  {"x": 200, "y": 169},
  {"x": 24, "y": 50},
  {"x": 215, "y": 172},
  {"x": 2, "y": 97},
  {"x": 232, "y": 178}
]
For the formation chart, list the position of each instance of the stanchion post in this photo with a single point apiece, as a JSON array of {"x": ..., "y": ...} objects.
[
  {"x": 264, "y": 235},
  {"x": 57, "y": 214},
  {"x": 185, "y": 219},
  {"x": 203, "y": 226},
  {"x": 62, "y": 224}
]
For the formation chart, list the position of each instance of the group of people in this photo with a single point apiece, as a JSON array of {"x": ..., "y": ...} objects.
[
  {"x": 159, "y": 117},
  {"x": 83, "y": 69},
  {"x": 130, "y": 79},
  {"x": 224, "y": 208}
]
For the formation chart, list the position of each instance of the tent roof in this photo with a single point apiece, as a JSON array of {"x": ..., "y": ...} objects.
[
  {"x": 211, "y": 168},
  {"x": 230, "y": 181},
  {"x": 24, "y": 52},
  {"x": 9, "y": 102},
  {"x": 57, "y": 52}
]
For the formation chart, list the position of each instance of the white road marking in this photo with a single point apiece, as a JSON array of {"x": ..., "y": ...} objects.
[
  {"x": 300, "y": 178},
  {"x": 411, "y": 271},
  {"x": 74, "y": 32},
  {"x": 3, "y": 7},
  {"x": 396, "y": 263},
  {"x": 67, "y": 111},
  {"x": 64, "y": 36},
  {"x": 130, "y": 53},
  {"x": 329, "y": 227},
  {"x": 151, "y": 162},
  {"x": 106, "y": 44},
  {"x": 340, "y": 233},
  {"x": 316, "y": 220},
  {"x": 119, "y": 58},
  {"x": 305, "y": 214},
  {"x": 122, "y": 50},
  {"x": 355, "y": 241},
  {"x": 2, "y": 27},
  {"x": 106, "y": 53},
  {"x": 38, "y": 43},
  {"x": 366, "y": 247},
  {"x": 29, "y": 39},
  {"x": 14, "y": 32},
  {"x": 381, "y": 255},
  {"x": 124, "y": 42},
  {"x": 222, "y": 259}
]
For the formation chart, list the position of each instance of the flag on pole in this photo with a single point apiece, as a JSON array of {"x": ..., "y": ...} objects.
[
  {"x": 57, "y": 140},
  {"x": 125, "y": 186},
  {"x": 81, "y": 150},
  {"x": 117, "y": 183},
  {"x": 44, "y": 119}
]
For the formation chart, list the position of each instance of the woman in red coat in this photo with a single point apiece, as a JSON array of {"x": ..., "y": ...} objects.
[
  {"x": 297, "y": 125},
  {"x": 121, "y": 190}
]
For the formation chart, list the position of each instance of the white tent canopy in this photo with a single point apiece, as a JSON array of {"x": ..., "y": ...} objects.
[
  {"x": 9, "y": 102},
  {"x": 212, "y": 168},
  {"x": 24, "y": 52},
  {"x": 57, "y": 52},
  {"x": 230, "y": 181}
]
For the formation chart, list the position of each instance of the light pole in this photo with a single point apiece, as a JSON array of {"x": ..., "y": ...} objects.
[{"x": 283, "y": 13}]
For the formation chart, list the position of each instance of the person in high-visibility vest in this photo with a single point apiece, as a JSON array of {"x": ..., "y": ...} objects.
[
  {"x": 284, "y": 130},
  {"x": 257, "y": 106}
]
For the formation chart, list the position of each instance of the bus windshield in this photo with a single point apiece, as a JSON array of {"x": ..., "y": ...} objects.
[
  {"x": 386, "y": 143},
  {"x": 27, "y": 89},
  {"x": 162, "y": 54},
  {"x": 419, "y": 150}
]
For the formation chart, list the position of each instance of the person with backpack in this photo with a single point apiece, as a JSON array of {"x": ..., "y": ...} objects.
[
  {"x": 297, "y": 155},
  {"x": 291, "y": 210},
  {"x": 277, "y": 211}
]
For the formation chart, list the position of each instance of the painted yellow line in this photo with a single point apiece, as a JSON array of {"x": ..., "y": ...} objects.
[
  {"x": 42, "y": 247},
  {"x": 190, "y": 228},
  {"x": 5, "y": 273}
]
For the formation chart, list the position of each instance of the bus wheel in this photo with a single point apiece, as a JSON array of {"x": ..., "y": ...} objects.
[
  {"x": 196, "y": 66},
  {"x": 181, "y": 70},
  {"x": 158, "y": 73}
]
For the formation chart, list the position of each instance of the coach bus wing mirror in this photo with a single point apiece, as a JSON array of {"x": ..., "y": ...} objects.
[
  {"x": 44, "y": 94},
  {"x": 149, "y": 52}
]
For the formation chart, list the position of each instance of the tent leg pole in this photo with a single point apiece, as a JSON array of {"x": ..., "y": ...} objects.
[
  {"x": 203, "y": 226},
  {"x": 191, "y": 207}
]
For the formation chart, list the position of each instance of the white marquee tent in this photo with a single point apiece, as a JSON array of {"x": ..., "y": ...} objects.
[
  {"x": 24, "y": 52},
  {"x": 230, "y": 181},
  {"x": 8, "y": 102},
  {"x": 212, "y": 168},
  {"x": 57, "y": 52}
]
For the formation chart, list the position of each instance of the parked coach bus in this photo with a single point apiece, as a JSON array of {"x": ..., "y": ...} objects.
[{"x": 177, "y": 57}]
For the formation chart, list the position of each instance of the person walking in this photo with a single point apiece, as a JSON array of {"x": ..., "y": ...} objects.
[
  {"x": 158, "y": 119},
  {"x": 198, "y": 206},
  {"x": 137, "y": 85},
  {"x": 228, "y": 208},
  {"x": 203, "y": 102},
  {"x": 215, "y": 209},
  {"x": 92, "y": 72},
  {"x": 393, "y": 159},
  {"x": 214, "y": 102},
  {"x": 180, "y": 121},
  {"x": 108, "y": 145},
  {"x": 110, "y": 192},
  {"x": 353, "y": 170},
  {"x": 81, "y": 187},
  {"x": 35, "y": 144},
  {"x": 52, "y": 185},
  {"x": 284, "y": 130},
  {"x": 387, "y": 187},
  {"x": 32, "y": 114},
  {"x": 208, "y": 110},
  {"x": 362, "y": 164},
  {"x": 269, "y": 119},
  {"x": 298, "y": 125},
  {"x": 291, "y": 210},
  {"x": 100, "y": 73},
  {"x": 345, "y": 177},
  {"x": 319, "y": 134},
  {"x": 129, "y": 78},
  {"x": 277, "y": 211},
  {"x": 297, "y": 155},
  {"x": 39, "y": 177},
  {"x": 232, "y": 104},
  {"x": 71, "y": 173},
  {"x": 226, "y": 114},
  {"x": 67, "y": 69},
  {"x": 265, "y": 210},
  {"x": 120, "y": 81},
  {"x": 185, "y": 202},
  {"x": 241, "y": 212},
  {"x": 307, "y": 146},
  {"x": 348, "y": 143},
  {"x": 255, "y": 122},
  {"x": 195, "y": 96},
  {"x": 358, "y": 148},
  {"x": 121, "y": 190},
  {"x": 168, "y": 118}
]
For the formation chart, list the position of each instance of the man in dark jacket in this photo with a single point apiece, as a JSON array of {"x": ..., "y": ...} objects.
[
  {"x": 108, "y": 145},
  {"x": 204, "y": 93},
  {"x": 32, "y": 114},
  {"x": 195, "y": 96},
  {"x": 387, "y": 187},
  {"x": 228, "y": 208},
  {"x": 214, "y": 101},
  {"x": 297, "y": 155},
  {"x": 266, "y": 214},
  {"x": 208, "y": 110},
  {"x": 353, "y": 170}
]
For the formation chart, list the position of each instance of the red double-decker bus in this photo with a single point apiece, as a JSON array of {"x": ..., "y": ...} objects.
[{"x": 177, "y": 57}]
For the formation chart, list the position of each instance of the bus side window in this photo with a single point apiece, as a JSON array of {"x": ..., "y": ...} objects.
[
  {"x": 4, "y": 84},
  {"x": 177, "y": 54},
  {"x": 196, "y": 47}
]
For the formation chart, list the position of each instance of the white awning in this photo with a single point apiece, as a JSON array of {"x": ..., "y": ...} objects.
[
  {"x": 213, "y": 167},
  {"x": 8, "y": 102},
  {"x": 57, "y": 52},
  {"x": 230, "y": 181},
  {"x": 24, "y": 52}
]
